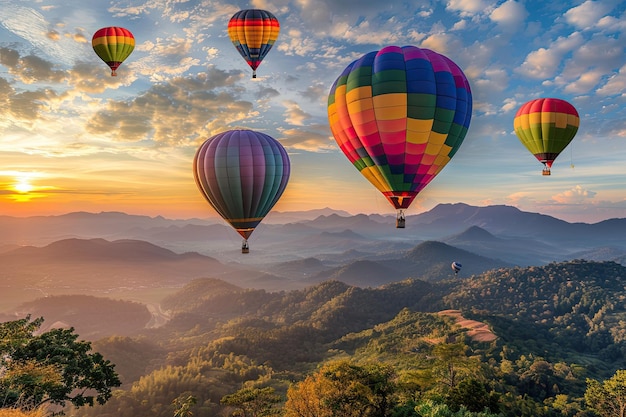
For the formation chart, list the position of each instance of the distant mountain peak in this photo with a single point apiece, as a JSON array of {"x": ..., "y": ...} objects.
[{"x": 475, "y": 233}]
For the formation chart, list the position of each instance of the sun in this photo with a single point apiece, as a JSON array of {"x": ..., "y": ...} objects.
[
  {"x": 22, "y": 182},
  {"x": 23, "y": 185}
]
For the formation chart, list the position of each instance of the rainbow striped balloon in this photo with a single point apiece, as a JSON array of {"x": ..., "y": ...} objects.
[
  {"x": 545, "y": 126},
  {"x": 113, "y": 45},
  {"x": 253, "y": 32},
  {"x": 399, "y": 115}
]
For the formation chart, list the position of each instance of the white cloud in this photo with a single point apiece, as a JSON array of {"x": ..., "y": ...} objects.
[
  {"x": 295, "y": 43},
  {"x": 616, "y": 84},
  {"x": 312, "y": 139},
  {"x": 294, "y": 114},
  {"x": 467, "y": 7},
  {"x": 585, "y": 83},
  {"x": 509, "y": 16},
  {"x": 545, "y": 62},
  {"x": 33, "y": 27},
  {"x": 576, "y": 195},
  {"x": 587, "y": 15}
]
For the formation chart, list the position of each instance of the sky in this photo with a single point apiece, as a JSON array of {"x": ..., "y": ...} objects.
[{"x": 73, "y": 138}]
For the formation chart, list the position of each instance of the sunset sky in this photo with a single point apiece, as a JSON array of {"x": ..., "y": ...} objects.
[{"x": 73, "y": 138}]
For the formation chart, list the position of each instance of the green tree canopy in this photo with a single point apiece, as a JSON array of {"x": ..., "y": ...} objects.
[
  {"x": 52, "y": 367},
  {"x": 608, "y": 398}
]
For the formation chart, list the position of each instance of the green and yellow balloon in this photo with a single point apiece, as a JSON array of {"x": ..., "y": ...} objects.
[
  {"x": 545, "y": 126},
  {"x": 113, "y": 45}
]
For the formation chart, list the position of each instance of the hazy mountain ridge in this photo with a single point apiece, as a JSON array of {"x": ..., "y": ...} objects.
[
  {"x": 443, "y": 221},
  {"x": 363, "y": 250}
]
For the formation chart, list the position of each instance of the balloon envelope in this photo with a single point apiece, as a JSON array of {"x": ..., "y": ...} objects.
[
  {"x": 456, "y": 267},
  {"x": 399, "y": 115},
  {"x": 253, "y": 32},
  {"x": 546, "y": 126},
  {"x": 113, "y": 45},
  {"x": 242, "y": 174}
]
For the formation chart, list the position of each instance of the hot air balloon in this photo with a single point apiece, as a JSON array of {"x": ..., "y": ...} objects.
[
  {"x": 242, "y": 174},
  {"x": 400, "y": 114},
  {"x": 253, "y": 32},
  {"x": 113, "y": 45},
  {"x": 546, "y": 126},
  {"x": 456, "y": 267}
]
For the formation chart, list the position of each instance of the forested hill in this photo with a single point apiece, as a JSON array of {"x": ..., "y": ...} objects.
[
  {"x": 555, "y": 326},
  {"x": 547, "y": 292},
  {"x": 578, "y": 305}
]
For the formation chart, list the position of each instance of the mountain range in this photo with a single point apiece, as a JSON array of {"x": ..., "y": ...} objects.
[{"x": 140, "y": 258}]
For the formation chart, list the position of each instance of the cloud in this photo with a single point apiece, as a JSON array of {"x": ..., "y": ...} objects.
[
  {"x": 179, "y": 112},
  {"x": 315, "y": 138},
  {"x": 29, "y": 24},
  {"x": 590, "y": 64},
  {"x": 585, "y": 83},
  {"x": 576, "y": 195},
  {"x": 615, "y": 85},
  {"x": 442, "y": 43},
  {"x": 520, "y": 198},
  {"x": 30, "y": 69},
  {"x": 509, "y": 16},
  {"x": 587, "y": 14},
  {"x": 294, "y": 114},
  {"x": 316, "y": 92},
  {"x": 468, "y": 7},
  {"x": 22, "y": 108},
  {"x": 96, "y": 78},
  {"x": 167, "y": 57},
  {"x": 545, "y": 62},
  {"x": 294, "y": 42}
]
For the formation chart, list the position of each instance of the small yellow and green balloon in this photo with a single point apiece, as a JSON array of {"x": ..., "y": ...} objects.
[
  {"x": 113, "y": 45},
  {"x": 545, "y": 126}
]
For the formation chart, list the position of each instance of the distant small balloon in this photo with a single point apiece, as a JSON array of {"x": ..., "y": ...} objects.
[
  {"x": 113, "y": 45},
  {"x": 456, "y": 267}
]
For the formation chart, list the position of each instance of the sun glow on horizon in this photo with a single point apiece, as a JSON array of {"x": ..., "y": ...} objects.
[
  {"x": 23, "y": 185},
  {"x": 18, "y": 185}
]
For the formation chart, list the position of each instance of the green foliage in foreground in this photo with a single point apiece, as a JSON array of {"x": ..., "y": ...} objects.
[{"x": 50, "y": 368}]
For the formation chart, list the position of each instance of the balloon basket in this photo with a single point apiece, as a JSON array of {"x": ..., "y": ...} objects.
[
  {"x": 545, "y": 172},
  {"x": 244, "y": 247},
  {"x": 400, "y": 220}
]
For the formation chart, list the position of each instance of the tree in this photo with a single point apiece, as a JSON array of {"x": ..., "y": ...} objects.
[
  {"x": 452, "y": 364},
  {"x": 472, "y": 395},
  {"x": 253, "y": 402},
  {"x": 52, "y": 367},
  {"x": 182, "y": 405},
  {"x": 430, "y": 408},
  {"x": 608, "y": 398},
  {"x": 343, "y": 389}
]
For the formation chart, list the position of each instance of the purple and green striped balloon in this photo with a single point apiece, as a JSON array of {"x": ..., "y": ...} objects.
[{"x": 242, "y": 174}]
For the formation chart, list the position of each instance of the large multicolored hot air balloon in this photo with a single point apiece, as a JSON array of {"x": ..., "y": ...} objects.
[
  {"x": 113, "y": 45},
  {"x": 242, "y": 174},
  {"x": 399, "y": 115},
  {"x": 546, "y": 126},
  {"x": 253, "y": 32}
]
